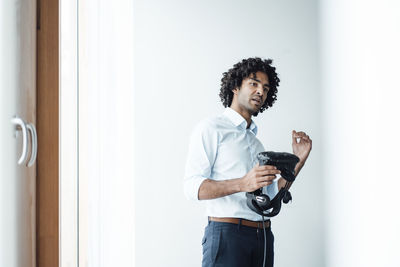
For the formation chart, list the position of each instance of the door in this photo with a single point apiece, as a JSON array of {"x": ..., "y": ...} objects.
[{"x": 17, "y": 132}]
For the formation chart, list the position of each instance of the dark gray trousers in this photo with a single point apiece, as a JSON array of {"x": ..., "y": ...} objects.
[{"x": 236, "y": 245}]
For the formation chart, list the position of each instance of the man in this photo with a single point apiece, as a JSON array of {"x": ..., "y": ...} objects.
[{"x": 222, "y": 166}]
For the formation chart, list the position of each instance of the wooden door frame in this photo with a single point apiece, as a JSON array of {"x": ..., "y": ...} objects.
[
  {"x": 57, "y": 162},
  {"x": 47, "y": 193}
]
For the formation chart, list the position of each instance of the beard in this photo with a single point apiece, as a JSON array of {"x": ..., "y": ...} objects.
[{"x": 253, "y": 111}]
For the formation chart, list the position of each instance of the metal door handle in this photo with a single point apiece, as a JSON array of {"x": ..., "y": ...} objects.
[
  {"x": 22, "y": 126},
  {"x": 32, "y": 131}
]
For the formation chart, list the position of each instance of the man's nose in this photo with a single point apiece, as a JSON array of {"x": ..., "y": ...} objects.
[{"x": 260, "y": 91}]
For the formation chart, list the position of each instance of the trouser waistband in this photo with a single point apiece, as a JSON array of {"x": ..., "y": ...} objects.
[{"x": 255, "y": 224}]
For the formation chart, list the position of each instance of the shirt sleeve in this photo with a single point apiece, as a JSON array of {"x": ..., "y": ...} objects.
[
  {"x": 200, "y": 160},
  {"x": 272, "y": 189}
]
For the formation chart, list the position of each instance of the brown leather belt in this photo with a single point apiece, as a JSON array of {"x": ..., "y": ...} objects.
[{"x": 254, "y": 224}]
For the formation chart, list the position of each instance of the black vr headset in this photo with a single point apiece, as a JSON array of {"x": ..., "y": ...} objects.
[{"x": 261, "y": 203}]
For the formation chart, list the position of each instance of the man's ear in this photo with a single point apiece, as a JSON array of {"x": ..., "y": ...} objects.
[{"x": 235, "y": 91}]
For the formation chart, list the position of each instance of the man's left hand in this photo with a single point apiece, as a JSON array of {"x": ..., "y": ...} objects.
[{"x": 301, "y": 144}]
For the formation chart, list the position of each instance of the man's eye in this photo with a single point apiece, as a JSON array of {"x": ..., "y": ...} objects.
[{"x": 254, "y": 84}]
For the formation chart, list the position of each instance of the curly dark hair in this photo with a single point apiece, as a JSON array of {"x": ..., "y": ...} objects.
[{"x": 234, "y": 77}]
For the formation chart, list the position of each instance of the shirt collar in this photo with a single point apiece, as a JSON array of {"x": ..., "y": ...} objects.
[{"x": 238, "y": 120}]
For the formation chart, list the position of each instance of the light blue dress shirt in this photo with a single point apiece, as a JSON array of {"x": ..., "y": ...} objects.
[{"x": 221, "y": 148}]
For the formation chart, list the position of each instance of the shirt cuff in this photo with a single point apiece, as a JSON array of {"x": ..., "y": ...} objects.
[
  {"x": 272, "y": 189},
  {"x": 192, "y": 186}
]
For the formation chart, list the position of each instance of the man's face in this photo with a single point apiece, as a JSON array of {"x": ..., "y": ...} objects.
[{"x": 252, "y": 93}]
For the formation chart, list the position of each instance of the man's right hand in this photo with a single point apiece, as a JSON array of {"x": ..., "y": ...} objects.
[{"x": 258, "y": 177}]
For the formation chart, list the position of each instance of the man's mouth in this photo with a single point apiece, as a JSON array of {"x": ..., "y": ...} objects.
[{"x": 257, "y": 101}]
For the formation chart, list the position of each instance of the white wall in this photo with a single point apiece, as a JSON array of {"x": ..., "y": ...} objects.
[
  {"x": 181, "y": 50},
  {"x": 360, "y": 45},
  {"x": 106, "y": 133}
]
